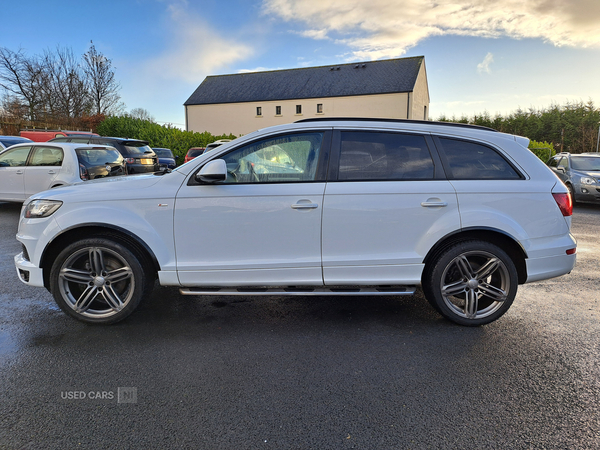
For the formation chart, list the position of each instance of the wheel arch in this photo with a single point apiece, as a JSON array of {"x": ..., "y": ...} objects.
[
  {"x": 497, "y": 237},
  {"x": 121, "y": 235}
]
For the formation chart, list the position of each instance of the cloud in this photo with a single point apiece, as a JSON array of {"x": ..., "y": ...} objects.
[
  {"x": 195, "y": 49},
  {"x": 387, "y": 28},
  {"x": 484, "y": 66}
]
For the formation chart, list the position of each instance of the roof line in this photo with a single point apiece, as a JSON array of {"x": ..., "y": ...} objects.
[{"x": 316, "y": 67}]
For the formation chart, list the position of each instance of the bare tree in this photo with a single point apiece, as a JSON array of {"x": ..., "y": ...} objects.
[
  {"x": 141, "y": 113},
  {"x": 22, "y": 76},
  {"x": 64, "y": 84},
  {"x": 102, "y": 85}
]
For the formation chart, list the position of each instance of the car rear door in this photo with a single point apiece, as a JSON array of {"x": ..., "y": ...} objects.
[
  {"x": 262, "y": 226},
  {"x": 12, "y": 173},
  {"x": 44, "y": 165},
  {"x": 387, "y": 202}
]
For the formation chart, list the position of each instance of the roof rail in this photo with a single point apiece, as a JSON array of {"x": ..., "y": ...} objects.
[{"x": 367, "y": 119}]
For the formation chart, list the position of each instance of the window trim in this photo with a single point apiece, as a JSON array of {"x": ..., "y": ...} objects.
[{"x": 448, "y": 169}]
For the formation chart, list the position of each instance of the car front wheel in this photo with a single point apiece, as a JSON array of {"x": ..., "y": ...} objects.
[
  {"x": 471, "y": 283},
  {"x": 98, "y": 280}
]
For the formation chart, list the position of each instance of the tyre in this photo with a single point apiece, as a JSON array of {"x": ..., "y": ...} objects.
[
  {"x": 572, "y": 192},
  {"x": 99, "y": 280},
  {"x": 471, "y": 283}
]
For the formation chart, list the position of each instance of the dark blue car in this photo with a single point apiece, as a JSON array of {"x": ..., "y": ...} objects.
[{"x": 165, "y": 158}]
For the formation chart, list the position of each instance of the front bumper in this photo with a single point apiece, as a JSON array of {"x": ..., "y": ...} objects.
[{"x": 28, "y": 272}]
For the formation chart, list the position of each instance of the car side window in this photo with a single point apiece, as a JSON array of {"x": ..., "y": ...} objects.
[
  {"x": 564, "y": 162},
  {"x": 289, "y": 158},
  {"x": 377, "y": 156},
  {"x": 553, "y": 162},
  {"x": 473, "y": 161},
  {"x": 15, "y": 158},
  {"x": 46, "y": 156}
]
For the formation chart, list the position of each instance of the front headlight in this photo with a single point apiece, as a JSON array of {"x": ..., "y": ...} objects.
[
  {"x": 41, "y": 208},
  {"x": 588, "y": 180}
]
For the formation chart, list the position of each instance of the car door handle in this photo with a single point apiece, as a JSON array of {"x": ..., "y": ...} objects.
[
  {"x": 52, "y": 172},
  {"x": 306, "y": 205},
  {"x": 19, "y": 172},
  {"x": 431, "y": 203}
]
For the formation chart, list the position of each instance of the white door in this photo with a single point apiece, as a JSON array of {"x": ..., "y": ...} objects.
[
  {"x": 43, "y": 167},
  {"x": 12, "y": 173},
  {"x": 388, "y": 207},
  {"x": 262, "y": 226}
]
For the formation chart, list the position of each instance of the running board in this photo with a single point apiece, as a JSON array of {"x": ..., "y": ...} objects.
[{"x": 333, "y": 290}]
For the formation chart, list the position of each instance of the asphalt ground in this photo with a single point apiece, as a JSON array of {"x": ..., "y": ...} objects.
[{"x": 303, "y": 373}]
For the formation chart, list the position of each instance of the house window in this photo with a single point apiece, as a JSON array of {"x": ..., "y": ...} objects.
[
  {"x": 298, "y": 109},
  {"x": 319, "y": 108},
  {"x": 278, "y": 110},
  {"x": 259, "y": 111}
]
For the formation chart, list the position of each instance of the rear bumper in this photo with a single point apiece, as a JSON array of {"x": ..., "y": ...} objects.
[{"x": 552, "y": 260}]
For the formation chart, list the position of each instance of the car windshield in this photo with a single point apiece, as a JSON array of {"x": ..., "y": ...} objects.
[
  {"x": 98, "y": 156},
  {"x": 137, "y": 148},
  {"x": 586, "y": 163},
  {"x": 163, "y": 152},
  {"x": 13, "y": 141}
]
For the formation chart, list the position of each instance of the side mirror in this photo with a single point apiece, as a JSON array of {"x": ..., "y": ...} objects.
[
  {"x": 215, "y": 170},
  {"x": 561, "y": 169}
]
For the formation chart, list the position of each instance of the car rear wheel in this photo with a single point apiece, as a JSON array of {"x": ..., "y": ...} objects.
[
  {"x": 471, "y": 283},
  {"x": 98, "y": 280}
]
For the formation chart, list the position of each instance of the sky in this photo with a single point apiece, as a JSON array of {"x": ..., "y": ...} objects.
[{"x": 480, "y": 55}]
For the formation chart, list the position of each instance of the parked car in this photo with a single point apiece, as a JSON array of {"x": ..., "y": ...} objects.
[
  {"x": 215, "y": 144},
  {"x": 193, "y": 152},
  {"x": 139, "y": 156},
  {"x": 7, "y": 141},
  {"x": 166, "y": 159},
  {"x": 33, "y": 167},
  {"x": 353, "y": 207},
  {"x": 580, "y": 173},
  {"x": 46, "y": 135}
]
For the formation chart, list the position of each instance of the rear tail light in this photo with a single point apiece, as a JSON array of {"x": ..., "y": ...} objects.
[
  {"x": 130, "y": 160},
  {"x": 572, "y": 251},
  {"x": 565, "y": 203},
  {"x": 83, "y": 173}
]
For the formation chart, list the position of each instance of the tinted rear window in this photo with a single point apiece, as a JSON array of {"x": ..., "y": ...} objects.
[
  {"x": 195, "y": 152},
  {"x": 163, "y": 152},
  {"x": 473, "y": 161},
  {"x": 133, "y": 148},
  {"x": 98, "y": 156}
]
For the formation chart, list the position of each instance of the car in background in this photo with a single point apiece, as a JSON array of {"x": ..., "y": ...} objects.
[
  {"x": 193, "y": 152},
  {"x": 140, "y": 158},
  {"x": 26, "y": 169},
  {"x": 166, "y": 159},
  {"x": 46, "y": 135},
  {"x": 7, "y": 141},
  {"x": 215, "y": 144},
  {"x": 465, "y": 212},
  {"x": 580, "y": 173}
]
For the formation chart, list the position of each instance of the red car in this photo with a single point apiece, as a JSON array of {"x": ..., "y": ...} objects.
[
  {"x": 193, "y": 152},
  {"x": 46, "y": 135}
]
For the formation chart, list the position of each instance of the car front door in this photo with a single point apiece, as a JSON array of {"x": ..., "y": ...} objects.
[
  {"x": 261, "y": 226},
  {"x": 43, "y": 167},
  {"x": 385, "y": 206},
  {"x": 12, "y": 173}
]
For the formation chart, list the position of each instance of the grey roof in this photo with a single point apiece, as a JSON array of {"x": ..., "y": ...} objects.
[{"x": 365, "y": 78}]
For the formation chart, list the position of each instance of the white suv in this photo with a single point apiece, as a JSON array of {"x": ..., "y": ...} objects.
[{"x": 318, "y": 207}]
